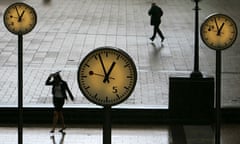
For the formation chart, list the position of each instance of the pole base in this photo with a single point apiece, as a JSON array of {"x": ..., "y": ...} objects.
[{"x": 196, "y": 74}]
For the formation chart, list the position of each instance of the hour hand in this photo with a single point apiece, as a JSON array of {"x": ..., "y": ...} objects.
[
  {"x": 219, "y": 31},
  {"x": 106, "y": 78},
  {"x": 20, "y": 17},
  {"x": 22, "y": 14}
]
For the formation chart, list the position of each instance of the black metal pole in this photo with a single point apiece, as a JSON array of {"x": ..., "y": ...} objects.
[
  {"x": 196, "y": 72},
  {"x": 218, "y": 97},
  {"x": 107, "y": 125},
  {"x": 20, "y": 89}
]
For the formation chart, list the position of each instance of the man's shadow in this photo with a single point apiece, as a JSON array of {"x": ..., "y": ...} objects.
[
  {"x": 157, "y": 47},
  {"x": 62, "y": 138},
  {"x": 155, "y": 56}
]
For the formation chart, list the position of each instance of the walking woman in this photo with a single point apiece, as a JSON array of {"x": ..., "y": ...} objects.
[{"x": 59, "y": 89}]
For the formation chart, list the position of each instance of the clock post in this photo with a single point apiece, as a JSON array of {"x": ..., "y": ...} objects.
[
  {"x": 20, "y": 88},
  {"x": 107, "y": 76},
  {"x": 218, "y": 32},
  {"x": 218, "y": 97},
  {"x": 107, "y": 127},
  {"x": 20, "y": 19},
  {"x": 196, "y": 72}
]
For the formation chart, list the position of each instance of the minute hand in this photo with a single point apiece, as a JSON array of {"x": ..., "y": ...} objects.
[
  {"x": 101, "y": 61},
  {"x": 106, "y": 78},
  {"x": 216, "y": 24},
  {"x": 17, "y": 11}
]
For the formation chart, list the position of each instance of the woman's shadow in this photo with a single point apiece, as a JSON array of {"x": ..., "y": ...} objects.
[{"x": 62, "y": 138}]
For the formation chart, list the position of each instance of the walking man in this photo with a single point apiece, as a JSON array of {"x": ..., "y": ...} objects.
[{"x": 156, "y": 13}]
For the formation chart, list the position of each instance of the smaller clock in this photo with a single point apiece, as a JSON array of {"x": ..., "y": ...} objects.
[
  {"x": 107, "y": 76},
  {"x": 20, "y": 18},
  {"x": 219, "y": 31}
]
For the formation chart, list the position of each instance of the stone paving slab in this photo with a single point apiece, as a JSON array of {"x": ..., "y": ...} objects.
[{"x": 67, "y": 30}]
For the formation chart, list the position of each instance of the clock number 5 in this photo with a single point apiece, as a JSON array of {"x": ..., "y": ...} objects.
[{"x": 115, "y": 90}]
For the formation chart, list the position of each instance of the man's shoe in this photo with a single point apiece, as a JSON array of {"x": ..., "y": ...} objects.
[
  {"x": 162, "y": 39},
  {"x": 152, "y": 39}
]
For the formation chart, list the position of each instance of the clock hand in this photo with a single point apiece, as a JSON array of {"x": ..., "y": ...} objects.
[
  {"x": 219, "y": 31},
  {"x": 101, "y": 61},
  {"x": 106, "y": 78},
  {"x": 93, "y": 73},
  {"x": 17, "y": 11},
  {"x": 216, "y": 24},
  {"x": 20, "y": 17},
  {"x": 22, "y": 13}
]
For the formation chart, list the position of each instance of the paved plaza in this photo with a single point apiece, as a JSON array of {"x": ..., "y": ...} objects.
[
  {"x": 92, "y": 134},
  {"x": 67, "y": 30}
]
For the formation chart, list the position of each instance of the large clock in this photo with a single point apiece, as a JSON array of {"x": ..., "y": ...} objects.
[
  {"x": 219, "y": 31},
  {"x": 107, "y": 76},
  {"x": 20, "y": 18}
]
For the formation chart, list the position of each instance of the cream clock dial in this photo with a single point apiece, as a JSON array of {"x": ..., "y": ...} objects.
[
  {"x": 20, "y": 18},
  {"x": 219, "y": 31},
  {"x": 107, "y": 76}
]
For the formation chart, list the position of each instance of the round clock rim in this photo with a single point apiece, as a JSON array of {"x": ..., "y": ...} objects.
[
  {"x": 15, "y": 32},
  {"x": 116, "y": 50},
  {"x": 214, "y": 15}
]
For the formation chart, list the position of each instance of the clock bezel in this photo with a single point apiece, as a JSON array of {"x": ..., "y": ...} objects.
[
  {"x": 222, "y": 47},
  {"x": 131, "y": 62},
  {"x": 20, "y": 32}
]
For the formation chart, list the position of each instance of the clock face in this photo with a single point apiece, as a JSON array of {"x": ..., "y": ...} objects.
[
  {"x": 20, "y": 18},
  {"x": 107, "y": 76},
  {"x": 219, "y": 31}
]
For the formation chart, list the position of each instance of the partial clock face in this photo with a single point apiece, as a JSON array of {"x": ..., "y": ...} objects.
[
  {"x": 20, "y": 18},
  {"x": 107, "y": 76},
  {"x": 219, "y": 31}
]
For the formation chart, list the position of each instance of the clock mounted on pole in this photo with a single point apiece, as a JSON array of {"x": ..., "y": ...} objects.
[
  {"x": 107, "y": 76},
  {"x": 218, "y": 32},
  {"x": 20, "y": 19}
]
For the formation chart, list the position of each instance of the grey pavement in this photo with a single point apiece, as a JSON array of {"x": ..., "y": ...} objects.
[
  {"x": 67, "y": 30},
  {"x": 147, "y": 134},
  {"x": 87, "y": 134}
]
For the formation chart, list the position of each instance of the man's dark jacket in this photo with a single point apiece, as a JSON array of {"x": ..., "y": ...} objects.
[{"x": 155, "y": 12}]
